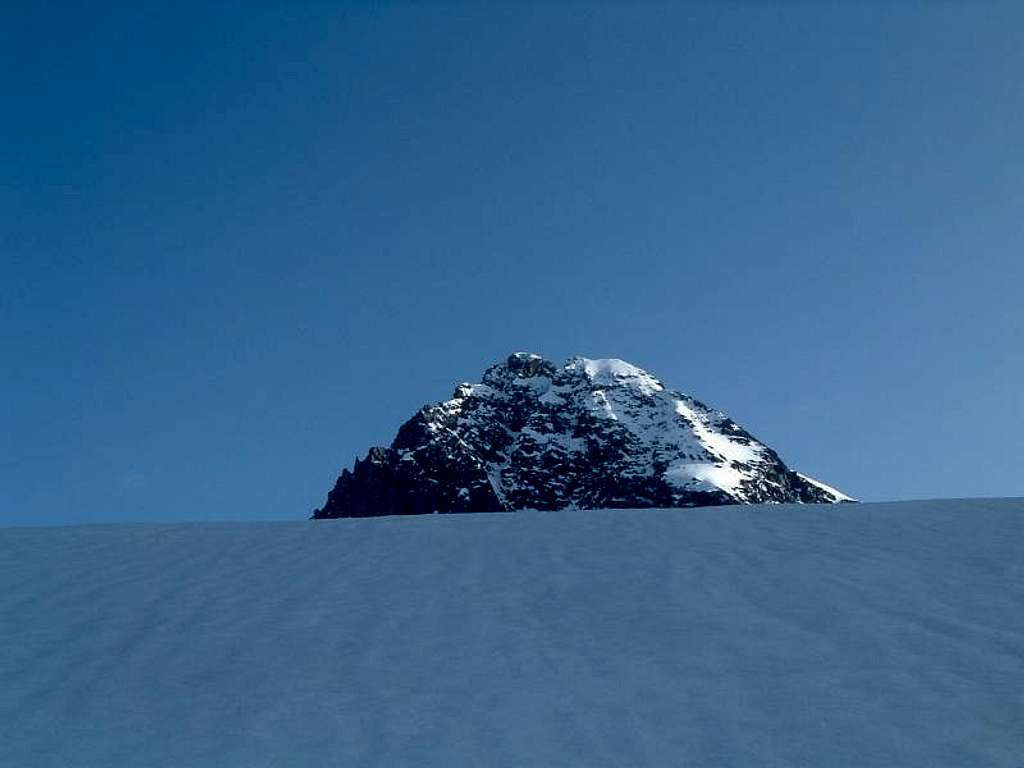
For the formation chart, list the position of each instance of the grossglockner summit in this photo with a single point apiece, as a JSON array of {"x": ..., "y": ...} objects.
[{"x": 590, "y": 434}]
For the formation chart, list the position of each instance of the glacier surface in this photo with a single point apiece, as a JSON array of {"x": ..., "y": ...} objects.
[{"x": 853, "y": 635}]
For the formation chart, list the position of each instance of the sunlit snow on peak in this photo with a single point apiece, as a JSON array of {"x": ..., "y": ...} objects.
[{"x": 611, "y": 371}]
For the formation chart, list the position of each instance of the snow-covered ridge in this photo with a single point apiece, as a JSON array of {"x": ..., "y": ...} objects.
[
  {"x": 840, "y": 496},
  {"x": 614, "y": 372},
  {"x": 590, "y": 433}
]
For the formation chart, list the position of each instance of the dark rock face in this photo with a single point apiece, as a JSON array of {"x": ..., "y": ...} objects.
[{"x": 590, "y": 434}]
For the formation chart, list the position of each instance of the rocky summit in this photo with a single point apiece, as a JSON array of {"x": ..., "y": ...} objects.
[{"x": 589, "y": 434}]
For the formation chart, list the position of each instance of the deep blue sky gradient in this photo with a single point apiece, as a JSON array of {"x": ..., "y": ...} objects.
[{"x": 239, "y": 244}]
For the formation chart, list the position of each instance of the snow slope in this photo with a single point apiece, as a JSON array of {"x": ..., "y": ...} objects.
[{"x": 785, "y": 635}]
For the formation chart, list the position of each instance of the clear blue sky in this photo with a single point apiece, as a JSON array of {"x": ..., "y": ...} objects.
[{"x": 241, "y": 244}]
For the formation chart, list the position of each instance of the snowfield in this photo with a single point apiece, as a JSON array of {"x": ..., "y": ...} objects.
[{"x": 853, "y": 635}]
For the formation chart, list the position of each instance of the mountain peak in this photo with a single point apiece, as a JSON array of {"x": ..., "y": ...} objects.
[
  {"x": 592, "y": 433},
  {"x": 612, "y": 371},
  {"x": 527, "y": 364}
]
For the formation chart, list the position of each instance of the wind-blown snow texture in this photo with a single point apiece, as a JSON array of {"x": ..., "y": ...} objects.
[
  {"x": 858, "y": 636},
  {"x": 592, "y": 434}
]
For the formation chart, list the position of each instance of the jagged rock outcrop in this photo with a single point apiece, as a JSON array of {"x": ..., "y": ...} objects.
[{"x": 587, "y": 435}]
